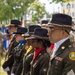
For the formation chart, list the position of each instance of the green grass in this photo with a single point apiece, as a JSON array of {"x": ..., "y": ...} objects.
[{"x": 2, "y": 59}]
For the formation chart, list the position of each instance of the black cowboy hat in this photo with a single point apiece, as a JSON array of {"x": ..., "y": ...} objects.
[
  {"x": 61, "y": 20},
  {"x": 15, "y": 23},
  {"x": 44, "y": 21},
  {"x": 41, "y": 33},
  {"x": 21, "y": 30},
  {"x": 32, "y": 28}
]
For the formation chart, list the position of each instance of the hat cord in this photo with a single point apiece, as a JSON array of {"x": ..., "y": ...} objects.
[{"x": 65, "y": 31}]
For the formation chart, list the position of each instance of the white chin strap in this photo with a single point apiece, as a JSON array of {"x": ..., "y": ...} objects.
[{"x": 72, "y": 36}]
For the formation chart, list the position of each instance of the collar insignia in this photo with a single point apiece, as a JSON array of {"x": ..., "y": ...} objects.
[{"x": 63, "y": 47}]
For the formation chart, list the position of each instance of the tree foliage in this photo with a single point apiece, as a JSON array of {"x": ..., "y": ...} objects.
[
  {"x": 38, "y": 11},
  {"x": 57, "y": 1},
  {"x": 13, "y": 8}
]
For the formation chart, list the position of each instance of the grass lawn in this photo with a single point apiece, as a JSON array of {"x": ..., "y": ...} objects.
[{"x": 2, "y": 59}]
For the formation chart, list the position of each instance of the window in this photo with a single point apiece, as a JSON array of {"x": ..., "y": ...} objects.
[
  {"x": 72, "y": 13},
  {"x": 72, "y": 5},
  {"x": 68, "y": 6}
]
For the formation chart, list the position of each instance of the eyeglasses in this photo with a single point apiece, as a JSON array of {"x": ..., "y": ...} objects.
[{"x": 53, "y": 29}]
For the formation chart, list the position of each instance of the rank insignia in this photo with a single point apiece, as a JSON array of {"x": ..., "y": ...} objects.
[
  {"x": 72, "y": 55},
  {"x": 59, "y": 58}
]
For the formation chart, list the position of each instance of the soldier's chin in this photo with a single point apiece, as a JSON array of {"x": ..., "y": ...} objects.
[{"x": 51, "y": 41}]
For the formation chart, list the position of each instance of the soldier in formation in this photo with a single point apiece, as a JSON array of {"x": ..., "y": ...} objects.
[
  {"x": 30, "y": 51},
  {"x": 7, "y": 65},
  {"x": 19, "y": 50},
  {"x": 35, "y": 58},
  {"x": 62, "y": 59}
]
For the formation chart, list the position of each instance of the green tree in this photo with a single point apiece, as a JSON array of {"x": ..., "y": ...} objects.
[
  {"x": 57, "y": 1},
  {"x": 38, "y": 11},
  {"x": 13, "y": 8}
]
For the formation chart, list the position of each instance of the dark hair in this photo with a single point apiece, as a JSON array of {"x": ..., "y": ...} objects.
[{"x": 46, "y": 43}]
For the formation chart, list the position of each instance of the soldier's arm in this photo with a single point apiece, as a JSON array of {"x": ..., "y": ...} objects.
[
  {"x": 8, "y": 62},
  {"x": 44, "y": 64},
  {"x": 69, "y": 66},
  {"x": 20, "y": 66}
]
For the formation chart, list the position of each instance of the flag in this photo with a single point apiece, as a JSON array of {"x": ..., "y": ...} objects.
[
  {"x": 23, "y": 24},
  {"x": 3, "y": 29}
]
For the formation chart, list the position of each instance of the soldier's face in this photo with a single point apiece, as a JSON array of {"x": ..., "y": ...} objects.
[
  {"x": 19, "y": 37},
  {"x": 29, "y": 42},
  {"x": 55, "y": 34},
  {"x": 12, "y": 29},
  {"x": 35, "y": 43}
]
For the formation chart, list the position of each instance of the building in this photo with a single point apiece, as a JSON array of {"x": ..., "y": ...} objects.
[{"x": 69, "y": 8}]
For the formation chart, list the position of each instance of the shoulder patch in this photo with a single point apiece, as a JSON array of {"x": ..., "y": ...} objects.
[{"x": 72, "y": 55}]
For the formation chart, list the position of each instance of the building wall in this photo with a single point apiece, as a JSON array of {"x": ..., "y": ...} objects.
[{"x": 69, "y": 8}]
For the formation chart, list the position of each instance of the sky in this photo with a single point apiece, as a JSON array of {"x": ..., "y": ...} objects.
[{"x": 51, "y": 7}]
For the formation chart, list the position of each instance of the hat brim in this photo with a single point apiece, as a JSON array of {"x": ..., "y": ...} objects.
[
  {"x": 13, "y": 25},
  {"x": 27, "y": 34},
  {"x": 58, "y": 25},
  {"x": 31, "y": 37},
  {"x": 6, "y": 34},
  {"x": 18, "y": 33},
  {"x": 39, "y": 37}
]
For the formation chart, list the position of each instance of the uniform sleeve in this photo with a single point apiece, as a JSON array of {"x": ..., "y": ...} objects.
[
  {"x": 69, "y": 61},
  {"x": 71, "y": 57},
  {"x": 27, "y": 65},
  {"x": 44, "y": 64},
  {"x": 19, "y": 68},
  {"x": 73, "y": 67},
  {"x": 8, "y": 62}
]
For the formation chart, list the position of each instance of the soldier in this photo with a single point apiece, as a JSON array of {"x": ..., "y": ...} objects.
[
  {"x": 44, "y": 23},
  {"x": 7, "y": 65},
  {"x": 32, "y": 28},
  {"x": 63, "y": 56},
  {"x": 40, "y": 62},
  {"x": 13, "y": 28},
  {"x": 29, "y": 53},
  {"x": 19, "y": 50},
  {"x": 6, "y": 41}
]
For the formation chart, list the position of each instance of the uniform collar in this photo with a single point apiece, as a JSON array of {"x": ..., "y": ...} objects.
[
  {"x": 57, "y": 44},
  {"x": 37, "y": 52},
  {"x": 66, "y": 43}
]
